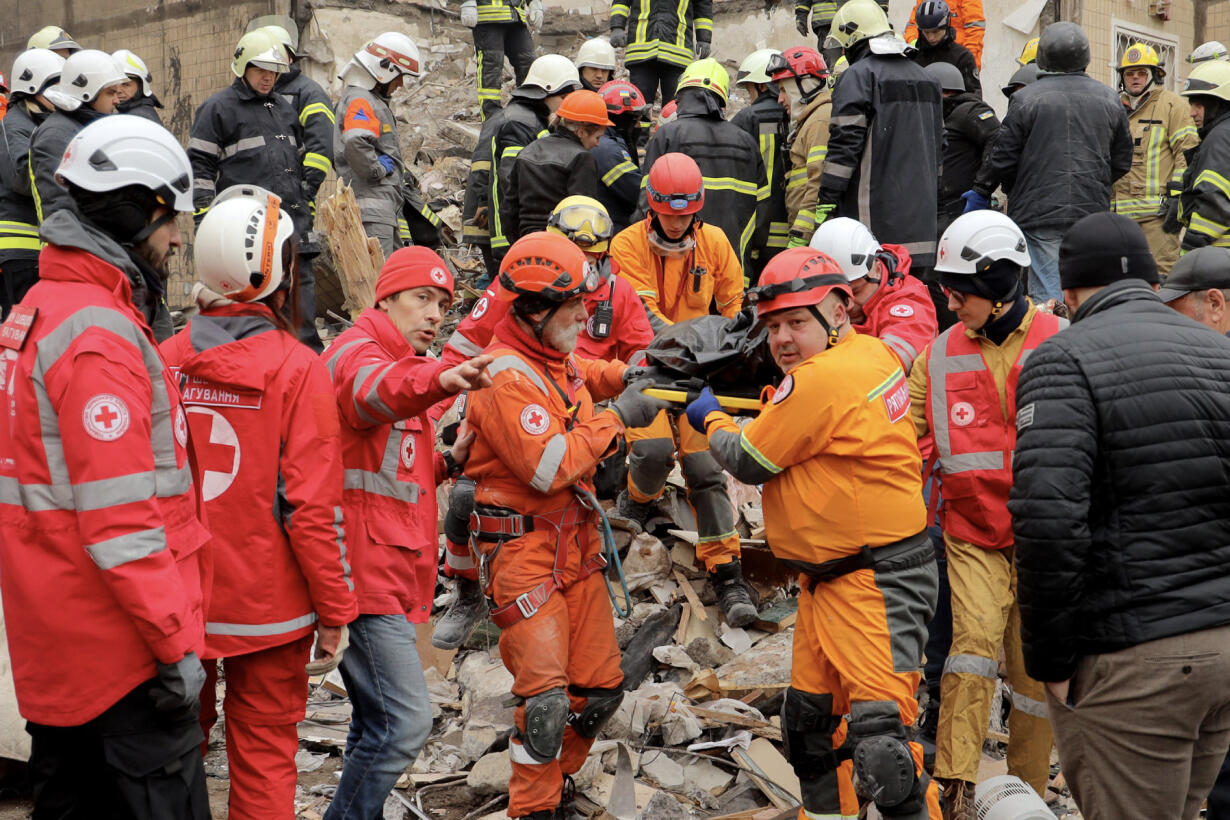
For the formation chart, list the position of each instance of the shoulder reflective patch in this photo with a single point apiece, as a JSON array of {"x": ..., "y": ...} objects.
[
  {"x": 105, "y": 417},
  {"x": 986, "y": 115},
  {"x": 784, "y": 389},
  {"x": 901, "y": 311},
  {"x": 360, "y": 115},
  {"x": 1024, "y": 416},
  {"x": 534, "y": 419}
]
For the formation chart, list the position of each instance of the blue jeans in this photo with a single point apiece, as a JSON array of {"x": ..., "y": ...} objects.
[
  {"x": 1043, "y": 245},
  {"x": 390, "y": 718}
]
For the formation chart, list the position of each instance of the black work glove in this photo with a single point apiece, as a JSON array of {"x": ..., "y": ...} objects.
[
  {"x": 637, "y": 372},
  {"x": 1170, "y": 215},
  {"x": 619, "y": 38},
  {"x": 634, "y": 408},
  {"x": 179, "y": 685},
  {"x": 800, "y": 21}
]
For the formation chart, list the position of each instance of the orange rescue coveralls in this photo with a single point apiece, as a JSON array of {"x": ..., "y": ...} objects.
[
  {"x": 835, "y": 450},
  {"x": 673, "y": 293},
  {"x": 537, "y": 437}
]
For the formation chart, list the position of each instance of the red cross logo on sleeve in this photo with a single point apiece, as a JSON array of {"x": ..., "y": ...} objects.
[
  {"x": 534, "y": 419},
  {"x": 105, "y": 417}
]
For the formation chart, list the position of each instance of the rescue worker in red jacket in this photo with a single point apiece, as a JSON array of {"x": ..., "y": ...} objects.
[
  {"x": 535, "y": 526},
  {"x": 617, "y": 329},
  {"x": 963, "y": 394},
  {"x": 265, "y": 430},
  {"x": 102, "y": 546},
  {"x": 886, "y": 301},
  {"x": 384, "y": 386},
  {"x": 838, "y": 428}
]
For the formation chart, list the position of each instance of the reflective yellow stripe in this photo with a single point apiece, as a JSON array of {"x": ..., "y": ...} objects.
[
  {"x": 642, "y": 26},
  {"x": 796, "y": 178},
  {"x": 1153, "y": 162},
  {"x": 38, "y": 201},
  {"x": 805, "y": 222},
  {"x": 817, "y": 153},
  {"x": 1183, "y": 133},
  {"x": 681, "y": 13},
  {"x": 1215, "y": 179},
  {"x": 20, "y": 243},
  {"x": 609, "y": 178},
  {"x": 318, "y": 161},
  {"x": 730, "y": 184},
  {"x": 316, "y": 108},
  {"x": 19, "y": 228},
  {"x": 620, "y": 10},
  {"x": 703, "y": 24},
  {"x": 1206, "y": 226},
  {"x": 757, "y": 455},
  {"x": 430, "y": 215},
  {"x": 768, "y": 153},
  {"x": 403, "y": 230},
  {"x": 887, "y": 383}
]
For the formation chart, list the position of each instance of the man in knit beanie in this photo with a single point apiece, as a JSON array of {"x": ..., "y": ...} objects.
[{"x": 1122, "y": 528}]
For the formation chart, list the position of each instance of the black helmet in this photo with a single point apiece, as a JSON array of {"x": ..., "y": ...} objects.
[
  {"x": 931, "y": 14},
  {"x": 948, "y": 75},
  {"x": 1022, "y": 77},
  {"x": 1063, "y": 49}
]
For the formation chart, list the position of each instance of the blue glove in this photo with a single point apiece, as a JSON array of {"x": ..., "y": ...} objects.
[
  {"x": 701, "y": 406},
  {"x": 386, "y": 162},
  {"x": 975, "y": 201}
]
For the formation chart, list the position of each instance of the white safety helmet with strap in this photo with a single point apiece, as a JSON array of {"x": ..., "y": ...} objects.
[
  {"x": 389, "y": 56},
  {"x": 1212, "y": 50},
  {"x": 976, "y": 240},
  {"x": 34, "y": 70},
  {"x": 86, "y": 73},
  {"x": 856, "y": 21},
  {"x": 121, "y": 150},
  {"x": 849, "y": 243},
  {"x": 554, "y": 74},
  {"x": 134, "y": 67},
  {"x": 238, "y": 251},
  {"x": 596, "y": 53},
  {"x": 261, "y": 49},
  {"x": 755, "y": 67}
]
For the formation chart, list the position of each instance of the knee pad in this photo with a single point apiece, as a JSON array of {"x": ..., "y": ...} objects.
[
  {"x": 460, "y": 505},
  {"x": 701, "y": 472},
  {"x": 884, "y": 770},
  {"x": 600, "y": 704},
  {"x": 546, "y": 714},
  {"x": 808, "y": 724}
]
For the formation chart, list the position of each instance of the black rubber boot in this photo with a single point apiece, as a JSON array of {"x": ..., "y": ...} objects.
[
  {"x": 465, "y": 612},
  {"x": 635, "y": 513},
  {"x": 735, "y": 598}
]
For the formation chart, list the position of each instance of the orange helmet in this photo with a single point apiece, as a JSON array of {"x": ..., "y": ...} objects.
[
  {"x": 799, "y": 277},
  {"x": 675, "y": 185},
  {"x": 547, "y": 267},
  {"x": 584, "y": 106}
]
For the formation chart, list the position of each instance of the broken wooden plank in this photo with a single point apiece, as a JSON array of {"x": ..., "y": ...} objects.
[
  {"x": 356, "y": 256},
  {"x": 760, "y": 728},
  {"x": 777, "y": 796},
  {"x": 778, "y": 617},
  {"x": 698, "y": 609},
  {"x": 682, "y": 632},
  {"x": 772, "y": 773}
]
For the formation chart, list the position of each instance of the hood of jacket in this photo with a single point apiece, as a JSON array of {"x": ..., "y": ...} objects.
[
  {"x": 225, "y": 347},
  {"x": 696, "y": 102},
  {"x": 1114, "y": 295},
  {"x": 67, "y": 229}
]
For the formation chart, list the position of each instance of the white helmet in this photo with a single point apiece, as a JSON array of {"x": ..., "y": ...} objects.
[
  {"x": 596, "y": 53},
  {"x": 976, "y": 239},
  {"x": 87, "y": 72},
  {"x": 1007, "y": 797},
  {"x": 238, "y": 247},
  {"x": 754, "y": 68},
  {"x": 121, "y": 150},
  {"x": 850, "y": 243},
  {"x": 389, "y": 56},
  {"x": 133, "y": 66},
  {"x": 1212, "y": 50},
  {"x": 34, "y": 70},
  {"x": 554, "y": 74},
  {"x": 261, "y": 49},
  {"x": 280, "y": 26}
]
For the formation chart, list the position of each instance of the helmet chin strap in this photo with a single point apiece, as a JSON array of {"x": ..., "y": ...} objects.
[
  {"x": 831, "y": 331},
  {"x": 149, "y": 229}
]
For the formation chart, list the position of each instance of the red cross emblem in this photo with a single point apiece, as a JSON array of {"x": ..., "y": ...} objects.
[
  {"x": 105, "y": 417},
  {"x": 962, "y": 413},
  {"x": 534, "y": 419},
  {"x": 217, "y": 449}
]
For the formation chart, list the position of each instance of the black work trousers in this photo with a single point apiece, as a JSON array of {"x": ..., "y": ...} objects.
[
  {"x": 492, "y": 43},
  {"x": 650, "y": 75},
  {"x": 132, "y": 762},
  {"x": 16, "y": 277}
]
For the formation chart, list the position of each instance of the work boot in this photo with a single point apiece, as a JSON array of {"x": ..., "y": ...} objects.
[
  {"x": 957, "y": 800},
  {"x": 635, "y": 513},
  {"x": 464, "y": 613},
  {"x": 735, "y": 597},
  {"x": 928, "y": 725}
]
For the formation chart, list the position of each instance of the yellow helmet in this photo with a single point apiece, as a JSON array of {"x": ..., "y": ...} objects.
[
  {"x": 1211, "y": 79},
  {"x": 262, "y": 49},
  {"x": 1029, "y": 54},
  {"x": 584, "y": 222},
  {"x": 708, "y": 74},
  {"x": 856, "y": 21},
  {"x": 53, "y": 38},
  {"x": 1141, "y": 55}
]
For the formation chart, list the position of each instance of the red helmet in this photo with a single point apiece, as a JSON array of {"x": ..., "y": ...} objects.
[
  {"x": 799, "y": 61},
  {"x": 799, "y": 277},
  {"x": 622, "y": 97},
  {"x": 675, "y": 185},
  {"x": 547, "y": 266}
]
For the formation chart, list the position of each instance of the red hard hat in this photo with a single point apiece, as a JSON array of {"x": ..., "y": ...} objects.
[
  {"x": 675, "y": 185},
  {"x": 622, "y": 97},
  {"x": 799, "y": 61},
  {"x": 799, "y": 277},
  {"x": 545, "y": 265},
  {"x": 584, "y": 106}
]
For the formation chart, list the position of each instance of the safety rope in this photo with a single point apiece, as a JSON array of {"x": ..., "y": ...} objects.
[{"x": 612, "y": 553}]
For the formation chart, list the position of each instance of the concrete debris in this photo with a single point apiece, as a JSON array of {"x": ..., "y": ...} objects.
[
  {"x": 490, "y": 774},
  {"x": 659, "y": 768},
  {"x": 485, "y": 684},
  {"x": 664, "y": 807}
]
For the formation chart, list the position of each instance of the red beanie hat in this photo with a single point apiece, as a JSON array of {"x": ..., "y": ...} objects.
[{"x": 413, "y": 267}]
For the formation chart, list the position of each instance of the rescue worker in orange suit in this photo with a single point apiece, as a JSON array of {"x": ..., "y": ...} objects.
[
  {"x": 265, "y": 430},
  {"x": 538, "y": 443},
  {"x": 838, "y": 428},
  {"x": 887, "y": 302},
  {"x": 384, "y": 385},
  {"x": 968, "y": 22},
  {"x": 963, "y": 394},
  {"x": 103, "y": 553},
  {"x": 616, "y": 330},
  {"x": 683, "y": 268}
]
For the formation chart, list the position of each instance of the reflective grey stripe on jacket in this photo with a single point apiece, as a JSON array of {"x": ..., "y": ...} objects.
[
  {"x": 260, "y": 630},
  {"x": 557, "y": 448}
]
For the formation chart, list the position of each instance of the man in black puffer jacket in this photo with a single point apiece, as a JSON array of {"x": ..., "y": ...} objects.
[
  {"x": 1122, "y": 525},
  {"x": 1064, "y": 142}
]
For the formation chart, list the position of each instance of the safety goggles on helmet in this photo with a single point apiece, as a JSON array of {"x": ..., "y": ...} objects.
[
  {"x": 767, "y": 293},
  {"x": 584, "y": 225},
  {"x": 404, "y": 63}
]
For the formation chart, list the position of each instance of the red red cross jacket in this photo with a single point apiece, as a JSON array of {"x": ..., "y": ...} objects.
[
  {"x": 100, "y": 528},
  {"x": 383, "y": 391},
  {"x": 266, "y": 436},
  {"x": 901, "y": 314}
]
